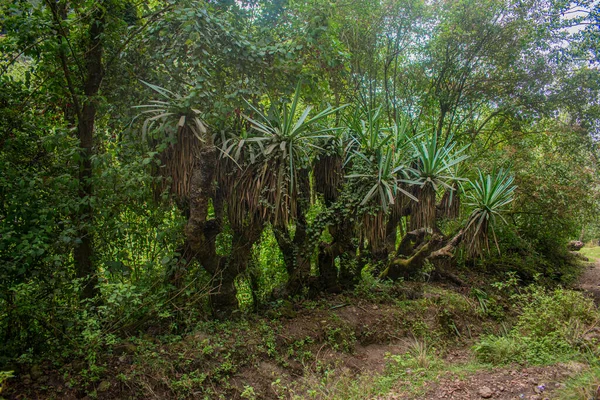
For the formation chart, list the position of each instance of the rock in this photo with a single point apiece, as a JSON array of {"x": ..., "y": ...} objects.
[
  {"x": 575, "y": 245},
  {"x": 540, "y": 388},
  {"x": 485, "y": 392},
  {"x": 78, "y": 365},
  {"x": 103, "y": 386}
]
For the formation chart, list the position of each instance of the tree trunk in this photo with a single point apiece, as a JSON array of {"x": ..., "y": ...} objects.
[
  {"x": 200, "y": 232},
  {"x": 437, "y": 247},
  {"x": 299, "y": 271},
  {"x": 224, "y": 299},
  {"x": 84, "y": 252},
  {"x": 328, "y": 273}
]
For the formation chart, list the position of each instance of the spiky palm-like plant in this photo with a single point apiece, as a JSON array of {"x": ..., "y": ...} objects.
[
  {"x": 282, "y": 144},
  {"x": 381, "y": 158},
  {"x": 366, "y": 131},
  {"x": 176, "y": 121},
  {"x": 432, "y": 169},
  {"x": 489, "y": 195}
]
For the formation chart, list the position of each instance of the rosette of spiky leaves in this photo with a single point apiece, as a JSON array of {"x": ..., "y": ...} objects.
[
  {"x": 490, "y": 196},
  {"x": 175, "y": 125},
  {"x": 378, "y": 181},
  {"x": 382, "y": 156},
  {"x": 366, "y": 132},
  {"x": 433, "y": 168},
  {"x": 284, "y": 142},
  {"x": 380, "y": 172}
]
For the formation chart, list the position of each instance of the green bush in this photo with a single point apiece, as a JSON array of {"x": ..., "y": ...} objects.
[{"x": 550, "y": 328}]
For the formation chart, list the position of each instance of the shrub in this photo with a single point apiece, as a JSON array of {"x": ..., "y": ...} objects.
[{"x": 550, "y": 328}]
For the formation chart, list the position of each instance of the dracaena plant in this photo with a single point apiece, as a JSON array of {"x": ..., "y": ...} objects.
[
  {"x": 282, "y": 143},
  {"x": 433, "y": 167},
  {"x": 489, "y": 195},
  {"x": 179, "y": 126},
  {"x": 366, "y": 131},
  {"x": 172, "y": 114},
  {"x": 381, "y": 157}
]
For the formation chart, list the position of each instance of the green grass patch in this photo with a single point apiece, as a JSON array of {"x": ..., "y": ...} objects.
[
  {"x": 593, "y": 253},
  {"x": 409, "y": 374},
  {"x": 583, "y": 386}
]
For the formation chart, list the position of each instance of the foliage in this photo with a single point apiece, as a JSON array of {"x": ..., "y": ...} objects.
[
  {"x": 550, "y": 328},
  {"x": 286, "y": 202},
  {"x": 4, "y": 376},
  {"x": 583, "y": 386},
  {"x": 185, "y": 134},
  {"x": 489, "y": 197}
]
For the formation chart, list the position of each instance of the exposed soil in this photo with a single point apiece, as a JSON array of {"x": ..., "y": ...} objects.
[
  {"x": 348, "y": 335},
  {"x": 590, "y": 281},
  {"x": 534, "y": 383}
]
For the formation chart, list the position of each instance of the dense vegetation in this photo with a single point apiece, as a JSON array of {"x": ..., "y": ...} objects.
[{"x": 168, "y": 162}]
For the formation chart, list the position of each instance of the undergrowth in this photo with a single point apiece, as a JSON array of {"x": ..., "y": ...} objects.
[{"x": 553, "y": 326}]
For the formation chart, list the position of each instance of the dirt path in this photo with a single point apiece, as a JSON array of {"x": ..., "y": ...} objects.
[
  {"x": 533, "y": 383},
  {"x": 590, "y": 281}
]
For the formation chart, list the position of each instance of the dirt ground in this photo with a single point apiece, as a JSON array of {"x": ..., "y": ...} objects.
[
  {"x": 590, "y": 281},
  {"x": 535, "y": 383},
  {"x": 375, "y": 331}
]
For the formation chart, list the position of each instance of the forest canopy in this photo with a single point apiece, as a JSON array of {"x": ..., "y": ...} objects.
[{"x": 173, "y": 160}]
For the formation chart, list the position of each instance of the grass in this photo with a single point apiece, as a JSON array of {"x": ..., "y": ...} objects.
[
  {"x": 591, "y": 252},
  {"x": 410, "y": 374},
  {"x": 583, "y": 386}
]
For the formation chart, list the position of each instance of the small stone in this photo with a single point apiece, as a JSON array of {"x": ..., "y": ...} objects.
[
  {"x": 485, "y": 392},
  {"x": 78, "y": 365},
  {"x": 540, "y": 388},
  {"x": 103, "y": 386}
]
